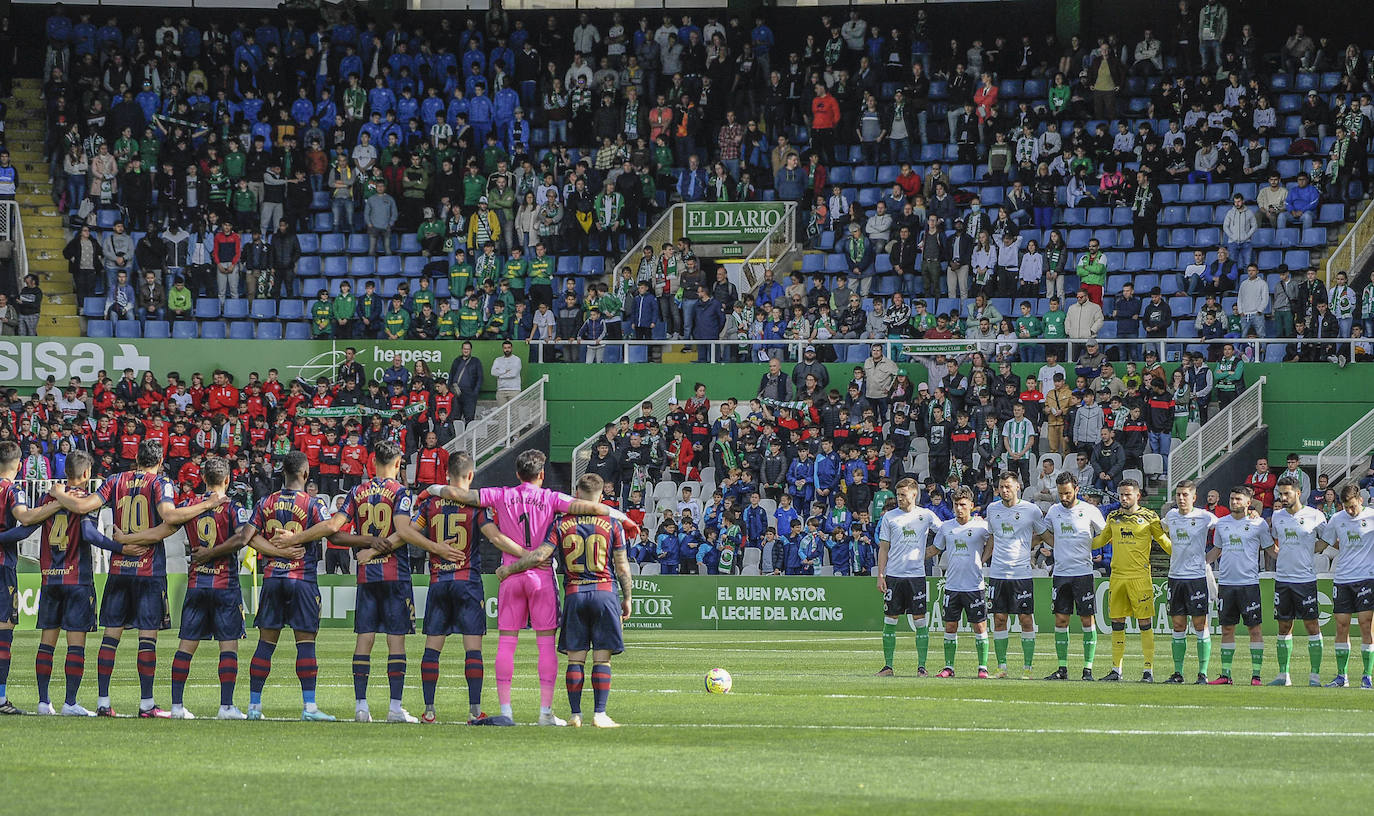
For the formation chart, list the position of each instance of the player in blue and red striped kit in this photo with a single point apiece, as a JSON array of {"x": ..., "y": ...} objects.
[
  {"x": 385, "y": 601},
  {"x": 290, "y": 593},
  {"x": 214, "y": 601},
  {"x": 456, "y": 604},
  {"x": 14, "y": 512},
  {"x": 590, "y": 548},
  {"x": 136, "y": 590}
]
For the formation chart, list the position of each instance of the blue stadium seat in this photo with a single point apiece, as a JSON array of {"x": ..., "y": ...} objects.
[
  {"x": 184, "y": 330},
  {"x": 840, "y": 175},
  {"x": 1331, "y": 214},
  {"x": 869, "y": 196},
  {"x": 1314, "y": 237},
  {"x": 1269, "y": 258},
  {"x": 319, "y": 200},
  {"x": 1075, "y": 217},
  {"x": 866, "y": 174},
  {"x": 160, "y": 329},
  {"x": 567, "y": 265},
  {"x": 932, "y": 152},
  {"x": 1191, "y": 193},
  {"x": 1098, "y": 216},
  {"x": 308, "y": 267},
  {"x": 291, "y": 309},
  {"x": 99, "y": 328},
  {"x": 1172, "y": 215},
  {"x": 1263, "y": 237},
  {"x": 1288, "y": 168},
  {"x": 592, "y": 265},
  {"x": 961, "y": 174},
  {"x": 335, "y": 266},
  {"x": 887, "y": 174},
  {"x": 1217, "y": 192},
  {"x": 213, "y": 330},
  {"x": 826, "y": 241},
  {"x": 93, "y": 307},
  {"x": 1107, "y": 238},
  {"x": 413, "y": 267},
  {"x": 331, "y": 244},
  {"x": 1201, "y": 215},
  {"x": 207, "y": 308},
  {"x": 263, "y": 309},
  {"x": 1162, "y": 260},
  {"x": 1297, "y": 258},
  {"x": 268, "y": 331},
  {"x": 389, "y": 286},
  {"x": 1181, "y": 305},
  {"x": 235, "y": 309},
  {"x": 1211, "y": 236},
  {"x": 1168, "y": 193},
  {"x": 1179, "y": 238},
  {"x": 1034, "y": 88},
  {"x": 312, "y": 285},
  {"x": 410, "y": 245},
  {"x": 1122, "y": 216},
  {"x": 992, "y": 196},
  {"x": 128, "y": 328},
  {"x": 834, "y": 263},
  {"x": 1287, "y": 237},
  {"x": 105, "y": 219},
  {"x": 1078, "y": 238},
  {"x": 310, "y": 243},
  {"x": 441, "y": 289},
  {"x": 387, "y": 266},
  {"x": 812, "y": 263},
  {"x": 1136, "y": 262},
  {"x": 297, "y": 331},
  {"x": 1281, "y": 82},
  {"x": 364, "y": 266},
  {"x": 357, "y": 244},
  {"x": 1305, "y": 82},
  {"x": 322, "y": 222},
  {"x": 240, "y": 330},
  {"x": 1274, "y": 352}
]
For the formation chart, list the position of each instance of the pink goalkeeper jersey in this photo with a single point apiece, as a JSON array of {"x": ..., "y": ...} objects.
[{"x": 524, "y": 513}]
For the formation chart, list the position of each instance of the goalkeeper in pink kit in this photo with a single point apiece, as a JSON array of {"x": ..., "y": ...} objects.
[{"x": 525, "y": 513}]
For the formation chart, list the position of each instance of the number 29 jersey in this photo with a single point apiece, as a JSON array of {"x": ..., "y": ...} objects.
[{"x": 372, "y": 508}]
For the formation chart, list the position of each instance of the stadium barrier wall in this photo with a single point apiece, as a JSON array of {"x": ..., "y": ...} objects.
[
  {"x": 705, "y": 602},
  {"x": 1306, "y": 405},
  {"x": 28, "y": 361}
]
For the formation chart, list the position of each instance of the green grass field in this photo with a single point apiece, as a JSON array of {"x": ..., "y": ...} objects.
[{"x": 808, "y": 729}]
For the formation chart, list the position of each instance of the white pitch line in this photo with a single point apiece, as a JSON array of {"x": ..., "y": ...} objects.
[
  {"x": 1086, "y": 704},
  {"x": 1124, "y": 732}
]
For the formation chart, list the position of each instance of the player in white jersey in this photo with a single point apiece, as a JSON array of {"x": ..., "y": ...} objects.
[
  {"x": 1072, "y": 525},
  {"x": 1239, "y": 539},
  {"x": 903, "y": 540},
  {"x": 1297, "y": 534},
  {"x": 966, "y": 542},
  {"x": 1016, "y": 526},
  {"x": 1188, "y": 526},
  {"x": 1351, "y": 531}
]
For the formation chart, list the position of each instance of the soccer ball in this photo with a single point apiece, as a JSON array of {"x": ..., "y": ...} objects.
[{"x": 718, "y": 681}]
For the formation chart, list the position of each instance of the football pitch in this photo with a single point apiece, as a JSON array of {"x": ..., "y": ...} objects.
[{"x": 807, "y": 729}]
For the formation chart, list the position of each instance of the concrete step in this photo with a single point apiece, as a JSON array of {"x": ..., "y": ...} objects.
[
  {"x": 60, "y": 326},
  {"x": 65, "y": 310}
]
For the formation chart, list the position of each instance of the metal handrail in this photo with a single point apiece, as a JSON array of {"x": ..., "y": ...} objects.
[
  {"x": 666, "y": 229},
  {"x": 12, "y": 229},
  {"x": 773, "y": 246},
  {"x": 582, "y": 454},
  {"x": 499, "y": 428},
  {"x": 1345, "y": 454},
  {"x": 1354, "y": 248},
  {"x": 1191, "y": 458}
]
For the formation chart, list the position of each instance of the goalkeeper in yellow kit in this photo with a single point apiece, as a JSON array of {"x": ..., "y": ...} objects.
[{"x": 1130, "y": 530}]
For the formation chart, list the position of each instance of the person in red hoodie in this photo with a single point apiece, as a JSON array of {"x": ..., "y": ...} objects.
[
  {"x": 330, "y": 462},
  {"x": 310, "y": 443},
  {"x": 126, "y": 446},
  {"x": 273, "y": 386},
  {"x": 178, "y": 447},
  {"x": 197, "y": 391},
  {"x": 227, "y": 252},
  {"x": 1263, "y": 481},
  {"x": 431, "y": 467},
  {"x": 221, "y": 396},
  {"x": 825, "y": 120}
]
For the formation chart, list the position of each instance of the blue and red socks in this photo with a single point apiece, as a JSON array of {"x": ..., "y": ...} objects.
[
  {"x": 307, "y": 671},
  {"x": 259, "y": 666},
  {"x": 573, "y": 678},
  {"x": 362, "y": 668},
  {"x": 6, "y": 641},
  {"x": 75, "y": 667},
  {"x": 396, "y": 677},
  {"x": 104, "y": 667},
  {"x": 601, "y": 686},
  {"x": 228, "y": 677},
  {"x": 473, "y": 670},
  {"x": 181, "y": 669},
  {"x": 147, "y": 671},
  {"x": 42, "y": 668},
  {"x": 429, "y": 675}
]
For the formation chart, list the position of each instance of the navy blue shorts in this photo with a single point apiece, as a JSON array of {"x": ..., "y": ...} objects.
[
  {"x": 591, "y": 620},
  {"x": 212, "y": 614},
  {"x": 385, "y": 607},
  {"x": 9, "y": 595},
  {"x": 135, "y": 602},
  {"x": 288, "y": 603},
  {"x": 455, "y": 608},
  {"x": 69, "y": 607}
]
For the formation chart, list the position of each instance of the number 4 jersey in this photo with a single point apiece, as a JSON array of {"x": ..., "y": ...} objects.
[{"x": 134, "y": 498}]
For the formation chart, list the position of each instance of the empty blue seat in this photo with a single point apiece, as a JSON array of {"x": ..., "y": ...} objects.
[
  {"x": 1122, "y": 216},
  {"x": 319, "y": 200},
  {"x": 1179, "y": 237},
  {"x": 932, "y": 152},
  {"x": 414, "y": 266},
  {"x": 834, "y": 263},
  {"x": 887, "y": 174},
  {"x": 1098, "y": 216},
  {"x": 240, "y": 330},
  {"x": 1161, "y": 260},
  {"x": 1314, "y": 237},
  {"x": 1305, "y": 81},
  {"x": 263, "y": 309},
  {"x": 992, "y": 196},
  {"x": 93, "y": 307},
  {"x": 1172, "y": 215},
  {"x": 812, "y": 263},
  {"x": 297, "y": 331},
  {"x": 235, "y": 309},
  {"x": 364, "y": 266},
  {"x": 840, "y": 175},
  {"x": 1331, "y": 214},
  {"x": 310, "y": 243},
  {"x": 99, "y": 328},
  {"x": 1191, "y": 193},
  {"x": 593, "y": 265},
  {"x": 1210, "y": 236},
  {"x": 410, "y": 245},
  {"x": 866, "y": 174},
  {"x": 1280, "y": 82},
  {"x": 1078, "y": 237},
  {"x": 1269, "y": 258},
  {"x": 358, "y": 244},
  {"x": 1168, "y": 193},
  {"x": 387, "y": 266},
  {"x": 1181, "y": 305},
  {"x": 1297, "y": 259},
  {"x": 184, "y": 330},
  {"x": 1075, "y": 217},
  {"x": 1288, "y": 168},
  {"x": 308, "y": 267},
  {"x": 1201, "y": 215},
  {"x": 1217, "y": 192},
  {"x": 567, "y": 265},
  {"x": 207, "y": 308},
  {"x": 268, "y": 331},
  {"x": 1263, "y": 237},
  {"x": 869, "y": 196},
  {"x": 961, "y": 174},
  {"x": 1287, "y": 237},
  {"x": 1136, "y": 262},
  {"x": 214, "y": 330},
  {"x": 322, "y": 222},
  {"x": 128, "y": 328},
  {"x": 331, "y": 244},
  {"x": 335, "y": 266}
]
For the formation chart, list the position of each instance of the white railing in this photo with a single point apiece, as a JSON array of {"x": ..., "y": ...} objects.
[
  {"x": 665, "y": 230},
  {"x": 1349, "y": 452},
  {"x": 770, "y": 249},
  {"x": 12, "y": 229},
  {"x": 499, "y": 428},
  {"x": 582, "y": 454},
  {"x": 34, "y": 492},
  {"x": 1191, "y": 458},
  {"x": 1351, "y": 252}
]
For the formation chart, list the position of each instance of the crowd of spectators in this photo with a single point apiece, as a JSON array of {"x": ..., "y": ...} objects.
[{"x": 491, "y": 153}]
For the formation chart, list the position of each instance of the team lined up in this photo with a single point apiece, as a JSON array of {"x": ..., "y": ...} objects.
[
  {"x": 1195, "y": 539},
  {"x": 287, "y": 529}
]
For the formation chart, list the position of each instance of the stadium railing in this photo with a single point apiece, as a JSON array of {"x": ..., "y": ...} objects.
[
  {"x": 1347, "y": 453},
  {"x": 1265, "y": 349},
  {"x": 1191, "y": 458},
  {"x": 770, "y": 251},
  {"x": 665, "y": 230},
  {"x": 582, "y": 454},
  {"x": 34, "y": 492},
  {"x": 1354, "y": 250},
  {"x": 12, "y": 230},
  {"x": 500, "y": 427}
]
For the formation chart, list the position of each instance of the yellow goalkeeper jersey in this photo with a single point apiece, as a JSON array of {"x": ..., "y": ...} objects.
[{"x": 1130, "y": 533}]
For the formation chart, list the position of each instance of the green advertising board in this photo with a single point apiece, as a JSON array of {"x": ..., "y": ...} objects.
[
  {"x": 732, "y": 223},
  {"x": 720, "y": 602},
  {"x": 28, "y": 361}
]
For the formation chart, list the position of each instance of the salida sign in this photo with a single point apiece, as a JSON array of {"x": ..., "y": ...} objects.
[{"x": 726, "y": 223}]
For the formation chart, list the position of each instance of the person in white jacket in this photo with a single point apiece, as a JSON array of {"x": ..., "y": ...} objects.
[
  {"x": 1252, "y": 300},
  {"x": 1239, "y": 227},
  {"x": 1084, "y": 319},
  {"x": 506, "y": 370}
]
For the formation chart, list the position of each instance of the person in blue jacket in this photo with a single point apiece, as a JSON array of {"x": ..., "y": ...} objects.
[
  {"x": 801, "y": 477},
  {"x": 838, "y": 516},
  {"x": 642, "y": 549},
  {"x": 708, "y": 554},
  {"x": 841, "y": 548},
  {"x": 689, "y": 543},
  {"x": 785, "y": 560},
  {"x": 667, "y": 549},
  {"x": 782, "y": 517},
  {"x": 810, "y": 544},
  {"x": 754, "y": 522},
  {"x": 825, "y": 476},
  {"x": 865, "y": 555}
]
